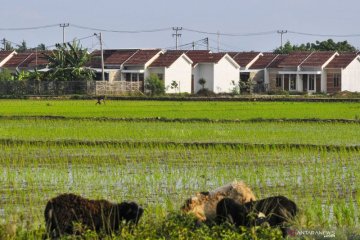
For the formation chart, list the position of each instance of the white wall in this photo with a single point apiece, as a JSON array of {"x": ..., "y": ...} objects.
[
  {"x": 179, "y": 71},
  {"x": 350, "y": 77},
  {"x": 224, "y": 73},
  {"x": 206, "y": 71}
]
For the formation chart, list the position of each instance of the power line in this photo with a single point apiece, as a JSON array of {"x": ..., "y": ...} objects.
[
  {"x": 29, "y": 28},
  {"x": 231, "y": 34},
  {"x": 121, "y": 31},
  {"x": 325, "y": 35}
]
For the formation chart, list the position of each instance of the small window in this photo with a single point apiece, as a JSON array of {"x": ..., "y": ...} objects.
[
  {"x": 278, "y": 80},
  {"x": 337, "y": 80},
  {"x": 134, "y": 77},
  {"x": 128, "y": 77},
  {"x": 141, "y": 77}
]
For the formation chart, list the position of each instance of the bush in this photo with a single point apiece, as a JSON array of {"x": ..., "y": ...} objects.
[
  {"x": 154, "y": 85},
  {"x": 205, "y": 93}
]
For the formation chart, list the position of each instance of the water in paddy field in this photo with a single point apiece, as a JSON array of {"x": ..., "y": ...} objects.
[{"x": 166, "y": 178}]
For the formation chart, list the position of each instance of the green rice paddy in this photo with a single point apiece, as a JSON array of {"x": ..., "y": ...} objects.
[{"x": 41, "y": 157}]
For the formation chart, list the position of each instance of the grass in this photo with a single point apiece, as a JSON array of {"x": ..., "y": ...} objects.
[
  {"x": 169, "y": 109},
  {"x": 323, "y": 182},
  {"x": 344, "y": 134}
]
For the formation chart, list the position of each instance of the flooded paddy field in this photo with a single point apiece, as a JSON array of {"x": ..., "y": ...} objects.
[{"x": 172, "y": 160}]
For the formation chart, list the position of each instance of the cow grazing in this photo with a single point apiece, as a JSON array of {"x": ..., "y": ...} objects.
[
  {"x": 276, "y": 211},
  {"x": 64, "y": 210},
  {"x": 203, "y": 204}
]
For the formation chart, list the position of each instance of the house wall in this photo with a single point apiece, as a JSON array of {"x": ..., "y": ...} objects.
[
  {"x": 224, "y": 73},
  {"x": 330, "y": 81},
  {"x": 350, "y": 77},
  {"x": 271, "y": 76},
  {"x": 205, "y": 71},
  {"x": 179, "y": 71}
]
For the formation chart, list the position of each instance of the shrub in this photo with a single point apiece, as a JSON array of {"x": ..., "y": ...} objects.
[{"x": 154, "y": 85}]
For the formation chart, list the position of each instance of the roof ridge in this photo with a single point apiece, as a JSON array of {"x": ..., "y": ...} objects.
[
  {"x": 130, "y": 56},
  {"x": 306, "y": 58}
]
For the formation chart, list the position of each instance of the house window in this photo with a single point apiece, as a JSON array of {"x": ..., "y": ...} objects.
[
  {"x": 278, "y": 80},
  {"x": 134, "y": 77},
  {"x": 311, "y": 82},
  {"x": 292, "y": 82},
  {"x": 161, "y": 76},
  {"x": 337, "y": 80},
  {"x": 141, "y": 77},
  {"x": 128, "y": 77}
]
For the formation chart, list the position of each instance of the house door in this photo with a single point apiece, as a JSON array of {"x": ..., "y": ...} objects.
[
  {"x": 305, "y": 82},
  {"x": 311, "y": 83},
  {"x": 318, "y": 83},
  {"x": 286, "y": 82}
]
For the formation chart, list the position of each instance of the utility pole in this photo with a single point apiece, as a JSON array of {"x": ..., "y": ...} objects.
[
  {"x": 4, "y": 42},
  {"x": 193, "y": 45},
  {"x": 102, "y": 56},
  {"x": 64, "y": 25},
  {"x": 177, "y": 35},
  {"x": 207, "y": 43},
  {"x": 282, "y": 32}
]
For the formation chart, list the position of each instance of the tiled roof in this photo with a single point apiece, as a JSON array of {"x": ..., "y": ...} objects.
[
  {"x": 200, "y": 56},
  {"x": 317, "y": 59},
  {"x": 118, "y": 57},
  {"x": 294, "y": 59},
  {"x": 243, "y": 58},
  {"x": 277, "y": 60},
  {"x": 38, "y": 59},
  {"x": 166, "y": 59},
  {"x": 19, "y": 60},
  {"x": 264, "y": 61},
  {"x": 141, "y": 57},
  {"x": 342, "y": 61},
  {"x": 4, "y": 54}
]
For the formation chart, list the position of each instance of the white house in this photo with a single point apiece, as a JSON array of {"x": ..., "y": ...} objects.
[
  {"x": 343, "y": 73},
  {"x": 301, "y": 72},
  {"x": 173, "y": 66},
  {"x": 218, "y": 70}
]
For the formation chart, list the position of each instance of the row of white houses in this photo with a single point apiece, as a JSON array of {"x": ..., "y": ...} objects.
[{"x": 312, "y": 72}]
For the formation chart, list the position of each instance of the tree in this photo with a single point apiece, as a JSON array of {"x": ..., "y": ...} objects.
[
  {"x": 328, "y": 45},
  {"x": 174, "y": 85},
  {"x": 8, "y": 46},
  {"x": 155, "y": 85},
  {"x": 22, "y": 47},
  {"x": 202, "y": 82},
  {"x": 67, "y": 63},
  {"x": 5, "y": 74},
  {"x": 41, "y": 47}
]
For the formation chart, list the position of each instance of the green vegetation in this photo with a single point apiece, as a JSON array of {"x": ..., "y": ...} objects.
[
  {"x": 186, "y": 110},
  {"x": 324, "y": 182},
  {"x": 155, "y": 85},
  {"x": 328, "y": 45}
]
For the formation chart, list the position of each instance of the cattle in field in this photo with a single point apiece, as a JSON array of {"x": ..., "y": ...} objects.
[
  {"x": 276, "y": 211},
  {"x": 66, "y": 210},
  {"x": 203, "y": 204}
]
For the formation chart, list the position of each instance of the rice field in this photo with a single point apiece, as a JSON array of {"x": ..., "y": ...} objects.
[{"x": 125, "y": 150}]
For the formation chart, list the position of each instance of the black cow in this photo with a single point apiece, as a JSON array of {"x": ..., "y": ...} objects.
[
  {"x": 276, "y": 211},
  {"x": 64, "y": 210}
]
